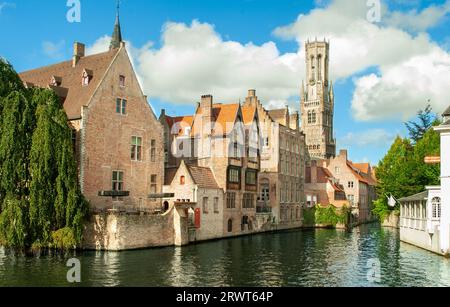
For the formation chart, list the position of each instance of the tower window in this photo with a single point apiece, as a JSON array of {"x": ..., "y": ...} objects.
[{"x": 319, "y": 67}]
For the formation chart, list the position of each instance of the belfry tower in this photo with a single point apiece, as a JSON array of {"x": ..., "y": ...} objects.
[{"x": 317, "y": 102}]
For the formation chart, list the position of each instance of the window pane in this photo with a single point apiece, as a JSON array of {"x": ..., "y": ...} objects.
[
  {"x": 139, "y": 153},
  {"x": 118, "y": 105},
  {"x": 133, "y": 152},
  {"x": 124, "y": 107}
]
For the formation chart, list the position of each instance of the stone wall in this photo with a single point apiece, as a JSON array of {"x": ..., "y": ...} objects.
[
  {"x": 393, "y": 220},
  {"x": 116, "y": 232}
]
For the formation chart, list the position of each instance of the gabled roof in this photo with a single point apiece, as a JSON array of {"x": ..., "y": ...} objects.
[
  {"x": 360, "y": 175},
  {"x": 323, "y": 176},
  {"x": 363, "y": 167},
  {"x": 203, "y": 177},
  {"x": 248, "y": 113},
  {"x": 223, "y": 119},
  {"x": 76, "y": 95},
  {"x": 180, "y": 123}
]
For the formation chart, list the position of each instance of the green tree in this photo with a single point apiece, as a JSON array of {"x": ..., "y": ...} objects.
[
  {"x": 41, "y": 204},
  {"x": 418, "y": 128},
  {"x": 395, "y": 170},
  {"x": 15, "y": 142},
  {"x": 429, "y": 145},
  {"x": 55, "y": 198}
]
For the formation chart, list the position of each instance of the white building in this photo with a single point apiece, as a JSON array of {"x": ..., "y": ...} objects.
[
  {"x": 444, "y": 130},
  {"x": 425, "y": 217}
]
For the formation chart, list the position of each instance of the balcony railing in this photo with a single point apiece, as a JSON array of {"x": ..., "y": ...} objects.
[{"x": 263, "y": 209}]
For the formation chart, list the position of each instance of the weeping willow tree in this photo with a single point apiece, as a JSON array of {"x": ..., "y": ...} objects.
[
  {"x": 41, "y": 204},
  {"x": 56, "y": 203}
]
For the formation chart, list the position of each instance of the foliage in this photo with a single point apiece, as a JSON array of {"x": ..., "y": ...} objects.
[
  {"x": 394, "y": 173},
  {"x": 64, "y": 239},
  {"x": 309, "y": 216},
  {"x": 16, "y": 128},
  {"x": 329, "y": 216},
  {"x": 381, "y": 208},
  {"x": 13, "y": 222},
  {"x": 425, "y": 120},
  {"x": 38, "y": 170},
  {"x": 403, "y": 171}
]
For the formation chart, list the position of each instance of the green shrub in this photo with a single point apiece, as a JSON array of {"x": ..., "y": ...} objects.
[
  {"x": 64, "y": 239},
  {"x": 330, "y": 216}
]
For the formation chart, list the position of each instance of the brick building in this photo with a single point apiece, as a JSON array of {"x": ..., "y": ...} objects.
[
  {"x": 283, "y": 157},
  {"x": 118, "y": 139},
  {"x": 358, "y": 182},
  {"x": 223, "y": 138},
  {"x": 322, "y": 188},
  {"x": 197, "y": 187}
]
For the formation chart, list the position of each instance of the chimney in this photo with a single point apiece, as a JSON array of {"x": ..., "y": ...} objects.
[
  {"x": 294, "y": 121},
  {"x": 313, "y": 171},
  {"x": 163, "y": 112},
  {"x": 78, "y": 53},
  {"x": 343, "y": 154},
  {"x": 206, "y": 108},
  {"x": 251, "y": 97}
]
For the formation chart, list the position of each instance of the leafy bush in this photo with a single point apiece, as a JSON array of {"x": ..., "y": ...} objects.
[
  {"x": 381, "y": 209},
  {"x": 330, "y": 216},
  {"x": 64, "y": 239}
]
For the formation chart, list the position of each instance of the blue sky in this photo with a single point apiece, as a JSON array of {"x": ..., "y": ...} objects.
[{"x": 384, "y": 71}]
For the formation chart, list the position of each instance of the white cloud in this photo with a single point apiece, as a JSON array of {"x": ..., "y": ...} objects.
[
  {"x": 194, "y": 60},
  {"x": 415, "y": 20},
  {"x": 378, "y": 138},
  {"x": 412, "y": 68},
  {"x": 100, "y": 45},
  {"x": 54, "y": 50}
]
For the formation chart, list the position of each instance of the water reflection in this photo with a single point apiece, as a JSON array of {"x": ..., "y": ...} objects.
[{"x": 298, "y": 258}]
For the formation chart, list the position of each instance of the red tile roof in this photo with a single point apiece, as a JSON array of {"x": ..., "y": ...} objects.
[
  {"x": 179, "y": 123},
  {"x": 71, "y": 89},
  {"x": 223, "y": 119}
]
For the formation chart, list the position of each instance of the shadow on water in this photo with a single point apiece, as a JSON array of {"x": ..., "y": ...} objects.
[{"x": 319, "y": 257}]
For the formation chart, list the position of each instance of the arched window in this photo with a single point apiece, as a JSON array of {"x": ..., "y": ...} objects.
[
  {"x": 182, "y": 180},
  {"x": 436, "y": 207},
  {"x": 313, "y": 69},
  {"x": 314, "y": 117},
  {"x": 319, "y": 67},
  {"x": 230, "y": 225}
]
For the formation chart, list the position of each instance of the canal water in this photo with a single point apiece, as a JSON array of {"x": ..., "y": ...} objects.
[{"x": 297, "y": 258}]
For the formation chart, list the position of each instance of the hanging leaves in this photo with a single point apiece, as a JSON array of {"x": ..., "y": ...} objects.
[{"x": 38, "y": 169}]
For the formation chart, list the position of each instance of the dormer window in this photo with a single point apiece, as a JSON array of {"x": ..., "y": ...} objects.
[
  {"x": 86, "y": 77},
  {"x": 122, "y": 81},
  {"x": 55, "y": 81}
]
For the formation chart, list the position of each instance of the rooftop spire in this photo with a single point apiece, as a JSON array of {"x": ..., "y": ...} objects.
[{"x": 117, "y": 34}]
